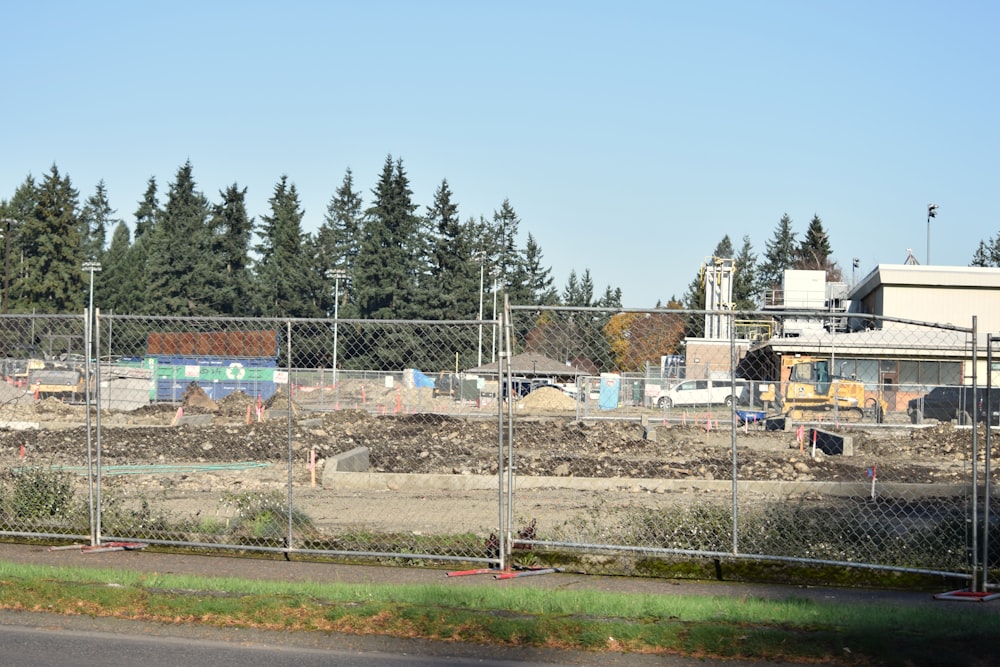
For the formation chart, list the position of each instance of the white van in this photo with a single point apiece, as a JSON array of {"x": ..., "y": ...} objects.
[{"x": 702, "y": 392}]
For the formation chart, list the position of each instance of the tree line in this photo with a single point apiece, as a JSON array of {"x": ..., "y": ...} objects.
[{"x": 190, "y": 256}]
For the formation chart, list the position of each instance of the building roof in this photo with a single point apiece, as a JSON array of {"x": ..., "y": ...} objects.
[
  {"x": 879, "y": 342},
  {"x": 977, "y": 277}
]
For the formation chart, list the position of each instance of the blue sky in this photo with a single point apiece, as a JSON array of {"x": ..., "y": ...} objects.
[{"x": 630, "y": 137}]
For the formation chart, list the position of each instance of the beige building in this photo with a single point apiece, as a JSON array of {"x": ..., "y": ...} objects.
[{"x": 940, "y": 294}]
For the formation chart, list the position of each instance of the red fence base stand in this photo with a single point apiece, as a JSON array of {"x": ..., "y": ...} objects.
[
  {"x": 506, "y": 574},
  {"x": 967, "y": 596},
  {"x": 100, "y": 548}
]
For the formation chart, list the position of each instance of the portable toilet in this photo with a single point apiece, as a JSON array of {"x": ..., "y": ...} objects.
[{"x": 611, "y": 384}]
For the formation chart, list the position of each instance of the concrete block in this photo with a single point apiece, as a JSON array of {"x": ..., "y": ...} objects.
[
  {"x": 193, "y": 420},
  {"x": 834, "y": 444},
  {"x": 356, "y": 460}
]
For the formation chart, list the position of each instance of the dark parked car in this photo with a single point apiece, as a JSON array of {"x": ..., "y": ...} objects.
[{"x": 955, "y": 402}]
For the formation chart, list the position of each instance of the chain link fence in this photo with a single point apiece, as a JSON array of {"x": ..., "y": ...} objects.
[
  {"x": 623, "y": 438},
  {"x": 332, "y": 437},
  {"x": 792, "y": 436}
]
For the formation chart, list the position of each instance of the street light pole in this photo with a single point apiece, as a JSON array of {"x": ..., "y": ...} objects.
[
  {"x": 481, "y": 257},
  {"x": 931, "y": 213},
  {"x": 88, "y": 326},
  {"x": 337, "y": 275},
  {"x": 495, "y": 273}
]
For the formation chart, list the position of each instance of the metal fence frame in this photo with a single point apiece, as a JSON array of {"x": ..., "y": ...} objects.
[
  {"x": 981, "y": 494},
  {"x": 116, "y": 336}
]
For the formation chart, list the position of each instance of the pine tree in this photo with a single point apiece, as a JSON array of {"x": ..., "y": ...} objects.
[
  {"x": 337, "y": 244},
  {"x": 148, "y": 211},
  {"x": 612, "y": 298},
  {"x": 814, "y": 251},
  {"x": 183, "y": 271},
  {"x": 233, "y": 248},
  {"x": 15, "y": 212},
  {"x": 117, "y": 289},
  {"x": 53, "y": 249},
  {"x": 745, "y": 278},
  {"x": 386, "y": 268},
  {"x": 97, "y": 217},
  {"x": 506, "y": 223},
  {"x": 539, "y": 278},
  {"x": 456, "y": 271},
  {"x": 779, "y": 254},
  {"x": 575, "y": 293},
  {"x": 284, "y": 283},
  {"x": 987, "y": 253}
]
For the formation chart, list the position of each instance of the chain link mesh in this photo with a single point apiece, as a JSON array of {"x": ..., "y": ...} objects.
[
  {"x": 633, "y": 432},
  {"x": 798, "y": 436}
]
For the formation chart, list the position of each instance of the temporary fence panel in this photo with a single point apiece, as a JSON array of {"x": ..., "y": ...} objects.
[
  {"x": 313, "y": 436},
  {"x": 805, "y": 445}
]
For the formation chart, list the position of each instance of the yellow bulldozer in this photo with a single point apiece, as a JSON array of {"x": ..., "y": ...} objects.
[{"x": 810, "y": 390}]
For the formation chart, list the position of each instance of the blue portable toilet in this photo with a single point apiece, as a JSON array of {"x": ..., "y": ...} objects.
[{"x": 611, "y": 384}]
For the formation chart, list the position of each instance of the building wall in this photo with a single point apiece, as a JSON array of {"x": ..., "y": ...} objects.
[{"x": 706, "y": 358}]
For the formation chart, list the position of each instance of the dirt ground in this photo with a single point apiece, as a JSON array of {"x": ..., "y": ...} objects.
[{"x": 550, "y": 442}]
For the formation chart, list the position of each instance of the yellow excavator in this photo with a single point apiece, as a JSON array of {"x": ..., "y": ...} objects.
[{"x": 811, "y": 390}]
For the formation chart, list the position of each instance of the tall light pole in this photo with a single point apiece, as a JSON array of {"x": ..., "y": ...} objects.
[
  {"x": 88, "y": 327},
  {"x": 931, "y": 213},
  {"x": 337, "y": 275},
  {"x": 481, "y": 258},
  {"x": 496, "y": 275}
]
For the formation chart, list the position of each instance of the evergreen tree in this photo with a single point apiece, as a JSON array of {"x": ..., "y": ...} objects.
[
  {"x": 612, "y": 298},
  {"x": 386, "y": 268},
  {"x": 724, "y": 249},
  {"x": 814, "y": 250},
  {"x": 284, "y": 283},
  {"x": 53, "y": 249},
  {"x": 96, "y": 218},
  {"x": 14, "y": 213},
  {"x": 183, "y": 272},
  {"x": 117, "y": 291},
  {"x": 148, "y": 211},
  {"x": 454, "y": 290},
  {"x": 745, "y": 279},
  {"x": 233, "y": 248},
  {"x": 579, "y": 290},
  {"x": 988, "y": 253},
  {"x": 539, "y": 278},
  {"x": 506, "y": 223},
  {"x": 779, "y": 254},
  {"x": 337, "y": 244}
]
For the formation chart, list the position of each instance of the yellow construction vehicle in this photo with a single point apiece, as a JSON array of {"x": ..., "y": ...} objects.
[{"x": 809, "y": 390}]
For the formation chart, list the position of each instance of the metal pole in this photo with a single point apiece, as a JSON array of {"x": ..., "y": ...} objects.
[
  {"x": 931, "y": 213},
  {"x": 479, "y": 347},
  {"x": 336, "y": 316},
  {"x": 493, "y": 355},
  {"x": 988, "y": 497},
  {"x": 337, "y": 275},
  {"x": 87, "y": 333}
]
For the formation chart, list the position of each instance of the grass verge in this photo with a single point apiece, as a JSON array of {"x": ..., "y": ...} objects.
[{"x": 711, "y": 627}]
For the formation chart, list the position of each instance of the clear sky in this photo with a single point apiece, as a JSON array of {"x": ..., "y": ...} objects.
[{"x": 629, "y": 137}]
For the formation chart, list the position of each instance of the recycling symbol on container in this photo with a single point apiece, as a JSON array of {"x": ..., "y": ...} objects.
[{"x": 236, "y": 371}]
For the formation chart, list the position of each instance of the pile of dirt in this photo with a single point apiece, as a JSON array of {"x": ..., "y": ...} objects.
[{"x": 547, "y": 399}]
